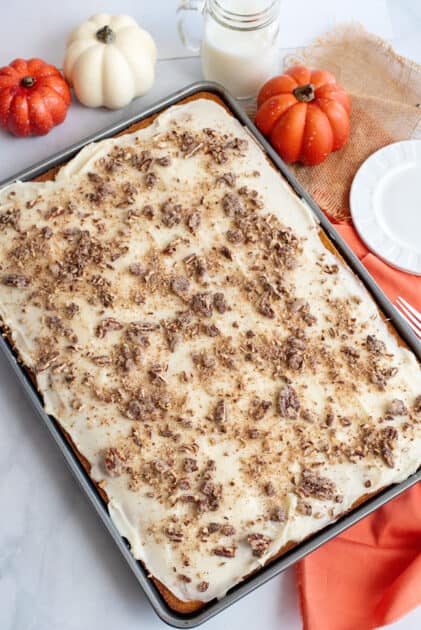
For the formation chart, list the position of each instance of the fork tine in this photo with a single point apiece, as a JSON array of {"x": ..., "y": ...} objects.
[
  {"x": 415, "y": 328},
  {"x": 410, "y": 308}
]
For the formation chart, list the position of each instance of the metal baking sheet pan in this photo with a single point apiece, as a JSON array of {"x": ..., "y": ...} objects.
[{"x": 300, "y": 550}]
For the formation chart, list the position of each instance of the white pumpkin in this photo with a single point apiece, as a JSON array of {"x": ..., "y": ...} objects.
[{"x": 109, "y": 60}]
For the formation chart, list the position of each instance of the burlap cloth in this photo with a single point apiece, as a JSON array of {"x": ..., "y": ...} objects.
[{"x": 386, "y": 107}]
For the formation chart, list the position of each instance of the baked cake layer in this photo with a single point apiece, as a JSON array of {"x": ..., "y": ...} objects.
[{"x": 231, "y": 383}]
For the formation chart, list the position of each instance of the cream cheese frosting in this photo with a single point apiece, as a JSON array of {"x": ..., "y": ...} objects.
[{"x": 231, "y": 383}]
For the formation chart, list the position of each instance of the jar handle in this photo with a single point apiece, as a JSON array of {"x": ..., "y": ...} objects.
[{"x": 184, "y": 6}]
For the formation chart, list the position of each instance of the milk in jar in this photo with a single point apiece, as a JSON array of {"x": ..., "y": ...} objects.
[{"x": 239, "y": 47}]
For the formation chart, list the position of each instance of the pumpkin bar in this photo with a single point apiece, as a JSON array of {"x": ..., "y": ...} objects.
[{"x": 229, "y": 383}]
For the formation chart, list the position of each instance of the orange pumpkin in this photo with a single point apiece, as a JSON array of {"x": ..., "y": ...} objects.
[
  {"x": 305, "y": 114},
  {"x": 34, "y": 97}
]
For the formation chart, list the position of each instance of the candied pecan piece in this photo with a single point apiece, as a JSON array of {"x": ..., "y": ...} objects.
[
  {"x": 136, "y": 269},
  {"x": 203, "y": 360},
  {"x": 106, "y": 326},
  {"x": 288, "y": 402},
  {"x": 140, "y": 409},
  {"x": 211, "y": 330},
  {"x": 259, "y": 543},
  {"x": 397, "y": 408},
  {"x": 225, "y": 551},
  {"x": 114, "y": 462},
  {"x": 232, "y": 205},
  {"x": 17, "y": 280},
  {"x": 227, "y": 178},
  {"x": 175, "y": 535},
  {"x": 294, "y": 349},
  {"x": 265, "y": 307},
  {"x": 226, "y": 252},
  {"x": 171, "y": 213},
  {"x": 270, "y": 489},
  {"x": 201, "y": 303},
  {"x": 380, "y": 376},
  {"x": 278, "y": 514},
  {"x": 12, "y": 217},
  {"x": 165, "y": 160},
  {"x": 148, "y": 211},
  {"x": 220, "y": 302},
  {"x": 235, "y": 236},
  {"x": 308, "y": 416},
  {"x": 190, "y": 465},
  {"x": 304, "y": 508},
  {"x": 227, "y": 530},
  {"x": 374, "y": 345},
  {"x": 314, "y": 485},
  {"x": 390, "y": 433},
  {"x": 220, "y": 413},
  {"x": 417, "y": 404},
  {"x": 387, "y": 454},
  {"x": 202, "y": 586},
  {"x": 180, "y": 286},
  {"x": 259, "y": 408},
  {"x": 193, "y": 221}
]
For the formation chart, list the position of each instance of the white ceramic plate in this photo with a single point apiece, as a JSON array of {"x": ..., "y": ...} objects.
[{"x": 385, "y": 202}]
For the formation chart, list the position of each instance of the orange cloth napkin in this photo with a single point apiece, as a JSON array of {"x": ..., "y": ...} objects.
[{"x": 370, "y": 575}]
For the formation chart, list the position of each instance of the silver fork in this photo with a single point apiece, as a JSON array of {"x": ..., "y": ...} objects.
[{"x": 412, "y": 316}]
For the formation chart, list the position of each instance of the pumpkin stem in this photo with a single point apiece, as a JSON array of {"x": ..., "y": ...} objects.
[
  {"x": 304, "y": 93},
  {"x": 105, "y": 35},
  {"x": 28, "y": 82}
]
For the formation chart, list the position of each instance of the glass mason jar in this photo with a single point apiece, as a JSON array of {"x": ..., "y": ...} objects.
[{"x": 239, "y": 47}]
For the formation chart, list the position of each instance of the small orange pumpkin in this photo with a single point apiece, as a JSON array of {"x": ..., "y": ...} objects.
[
  {"x": 305, "y": 114},
  {"x": 34, "y": 97}
]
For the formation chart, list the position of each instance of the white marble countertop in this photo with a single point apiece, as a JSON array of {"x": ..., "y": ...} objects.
[{"x": 59, "y": 569}]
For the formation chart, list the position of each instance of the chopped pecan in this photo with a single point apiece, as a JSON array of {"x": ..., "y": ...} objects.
[
  {"x": 220, "y": 302},
  {"x": 180, "y": 286},
  {"x": 265, "y": 307},
  {"x": 313, "y": 485},
  {"x": 258, "y": 408},
  {"x": 235, "y": 236},
  {"x": 380, "y": 376},
  {"x": 201, "y": 303},
  {"x": 220, "y": 413},
  {"x": 288, "y": 402},
  {"x": 165, "y": 160},
  {"x": 304, "y": 508},
  {"x": 259, "y": 543},
  {"x": 175, "y": 535},
  {"x": 417, "y": 404},
  {"x": 106, "y": 326},
  {"x": 193, "y": 221},
  {"x": 190, "y": 465},
  {"x": 17, "y": 280},
  {"x": 225, "y": 551},
  {"x": 227, "y": 530},
  {"x": 171, "y": 213},
  {"x": 202, "y": 586},
  {"x": 374, "y": 345},
  {"x": 114, "y": 462},
  {"x": 270, "y": 489},
  {"x": 227, "y": 178},
  {"x": 141, "y": 409},
  {"x": 387, "y": 454},
  {"x": 397, "y": 408},
  {"x": 278, "y": 514},
  {"x": 233, "y": 205},
  {"x": 136, "y": 269}
]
